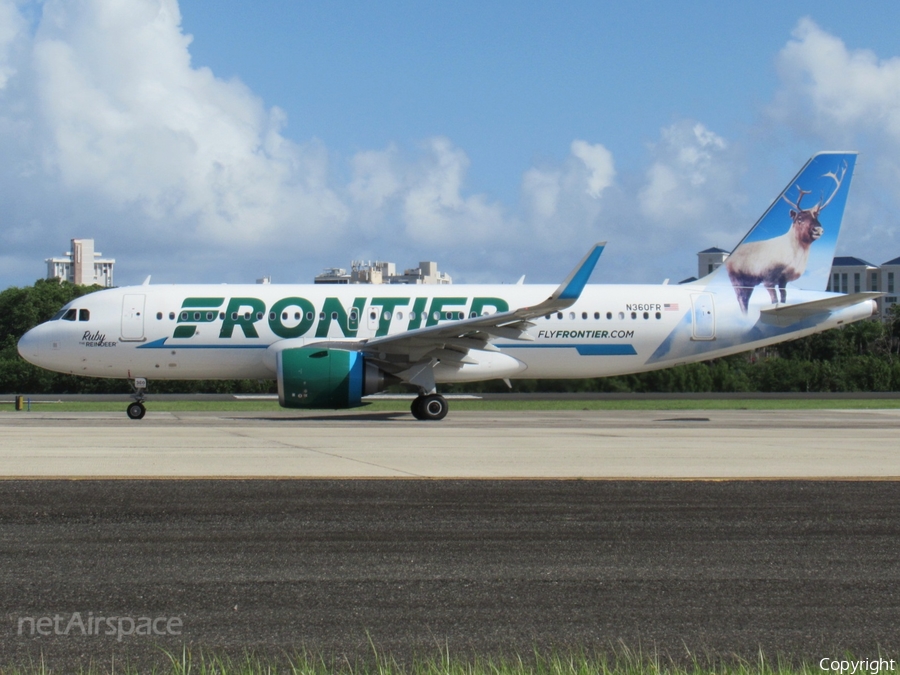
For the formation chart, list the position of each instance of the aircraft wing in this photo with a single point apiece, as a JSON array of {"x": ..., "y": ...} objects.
[
  {"x": 477, "y": 332},
  {"x": 785, "y": 315},
  {"x": 410, "y": 353}
]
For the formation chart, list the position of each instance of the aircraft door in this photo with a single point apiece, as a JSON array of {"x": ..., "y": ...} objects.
[
  {"x": 133, "y": 317},
  {"x": 704, "y": 316},
  {"x": 372, "y": 320}
]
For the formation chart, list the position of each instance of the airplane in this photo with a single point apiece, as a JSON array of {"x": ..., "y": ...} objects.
[{"x": 330, "y": 346}]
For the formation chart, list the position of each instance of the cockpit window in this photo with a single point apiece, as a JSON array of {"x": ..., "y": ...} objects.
[
  {"x": 70, "y": 315},
  {"x": 58, "y": 315},
  {"x": 84, "y": 315}
]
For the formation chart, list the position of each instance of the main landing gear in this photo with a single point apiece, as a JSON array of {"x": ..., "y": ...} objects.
[
  {"x": 137, "y": 410},
  {"x": 429, "y": 407}
]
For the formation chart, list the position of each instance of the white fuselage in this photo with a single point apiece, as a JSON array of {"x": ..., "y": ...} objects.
[{"x": 232, "y": 331}]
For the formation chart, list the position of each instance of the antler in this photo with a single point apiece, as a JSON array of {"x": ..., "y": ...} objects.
[
  {"x": 799, "y": 199},
  {"x": 837, "y": 180}
]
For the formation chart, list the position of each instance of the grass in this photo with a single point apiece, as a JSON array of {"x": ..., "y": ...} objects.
[
  {"x": 491, "y": 405},
  {"x": 621, "y": 661}
]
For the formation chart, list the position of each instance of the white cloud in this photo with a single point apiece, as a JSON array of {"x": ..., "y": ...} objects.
[
  {"x": 117, "y": 130},
  {"x": 132, "y": 121},
  {"x": 563, "y": 205},
  {"x": 12, "y": 28},
  {"x": 835, "y": 92},
  {"x": 599, "y": 163},
  {"x": 434, "y": 207},
  {"x": 376, "y": 182},
  {"x": 847, "y": 99},
  {"x": 690, "y": 162}
]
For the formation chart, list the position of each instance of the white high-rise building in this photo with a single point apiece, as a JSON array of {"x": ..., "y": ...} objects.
[{"x": 82, "y": 265}]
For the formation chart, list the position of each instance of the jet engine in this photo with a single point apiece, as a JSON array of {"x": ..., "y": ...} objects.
[{"x": 325, "y": 378}]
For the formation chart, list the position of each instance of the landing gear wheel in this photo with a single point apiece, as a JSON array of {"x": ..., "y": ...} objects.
[
  {"x": 432, "y": 407},
  {"x": 136, "y": 410}
]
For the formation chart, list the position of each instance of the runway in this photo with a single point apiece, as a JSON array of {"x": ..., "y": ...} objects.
[
  {"x": 306, "y": 545},
  {"x": 739, "y": 444},
  {"x": 806, "y": 569}
]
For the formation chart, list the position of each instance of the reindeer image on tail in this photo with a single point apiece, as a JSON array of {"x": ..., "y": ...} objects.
[{"x": 776, "y": 261}]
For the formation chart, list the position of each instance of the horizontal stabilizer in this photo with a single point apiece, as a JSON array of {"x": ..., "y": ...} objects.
[{"x": 785, "y": 315}]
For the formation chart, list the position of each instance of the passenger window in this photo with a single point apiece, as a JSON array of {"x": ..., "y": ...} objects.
[{"x": 84, "y": 315}]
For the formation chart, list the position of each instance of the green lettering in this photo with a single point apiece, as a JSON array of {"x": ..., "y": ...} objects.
[
  {"x": 242, "y": 312},
  {"x": 202, "y": 302},
  {"x": 436, "y": 311},
  {"x": 349, "y": 324},
  {"x": 418, "y": 314},
  {"x": 276, "y": 321},
  {"x": 388, "y": 305},
  {"x": 198, "y": 310}
]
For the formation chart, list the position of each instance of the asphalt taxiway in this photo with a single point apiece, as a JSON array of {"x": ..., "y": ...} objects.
[
  {"x": 284, "y": 531},
  {"x": 805, "y": 569},
  {"x": 734, "y": 444}
]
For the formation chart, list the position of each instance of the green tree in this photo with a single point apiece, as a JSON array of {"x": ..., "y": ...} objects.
[{"x": 20, "y": 310}]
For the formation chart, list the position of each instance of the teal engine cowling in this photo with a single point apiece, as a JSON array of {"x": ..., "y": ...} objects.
[{"x": 310, "y": 377}]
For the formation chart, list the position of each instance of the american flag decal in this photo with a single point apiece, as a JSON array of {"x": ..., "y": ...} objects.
[{"x": 670, "y": 307}]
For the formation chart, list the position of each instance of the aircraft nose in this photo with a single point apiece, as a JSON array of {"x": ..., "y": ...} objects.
[{"x": 34, "y": 345}]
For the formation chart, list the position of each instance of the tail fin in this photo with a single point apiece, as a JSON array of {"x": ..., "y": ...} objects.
[{"x": 793, "y": 244}]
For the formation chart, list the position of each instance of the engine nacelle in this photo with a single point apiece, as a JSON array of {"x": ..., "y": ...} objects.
[{"x": 325, "y": 378}]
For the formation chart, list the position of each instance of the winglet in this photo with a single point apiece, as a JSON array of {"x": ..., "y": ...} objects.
[
  {"x": 509, "y": 324},
  {"x": 571, "y": 288},
  {"x": 568, "y": 292}
]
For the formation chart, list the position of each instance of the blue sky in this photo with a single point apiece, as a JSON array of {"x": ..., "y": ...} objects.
[{"x": 206, "y": 142}]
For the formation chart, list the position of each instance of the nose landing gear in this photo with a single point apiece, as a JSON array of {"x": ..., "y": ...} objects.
[{"x": 137, "y": 410}]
